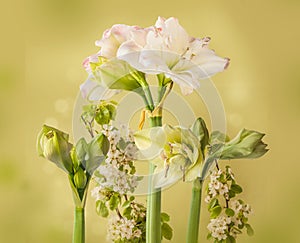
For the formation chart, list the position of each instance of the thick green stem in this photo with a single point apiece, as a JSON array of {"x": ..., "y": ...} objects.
[
  {"x": 194, "y": 218},
  {"x": 79, "y": 226},
  {"x": 153, "y": 222}
]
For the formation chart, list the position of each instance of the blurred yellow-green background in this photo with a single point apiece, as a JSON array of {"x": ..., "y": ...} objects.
[{"x": 43, "y": 43}]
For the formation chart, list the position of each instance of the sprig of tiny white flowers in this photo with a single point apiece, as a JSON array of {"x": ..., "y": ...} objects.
[
  {"x": 116, "y": 178},
  {"x": 227, "y": 221}
]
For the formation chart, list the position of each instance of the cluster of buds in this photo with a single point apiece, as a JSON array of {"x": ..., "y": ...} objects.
[
  {"x": 227, "y": 221},
  {"x": 78, "y": 161}
]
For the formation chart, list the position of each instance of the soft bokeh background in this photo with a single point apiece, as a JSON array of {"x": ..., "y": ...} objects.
[{"x": 43, "y": 43}]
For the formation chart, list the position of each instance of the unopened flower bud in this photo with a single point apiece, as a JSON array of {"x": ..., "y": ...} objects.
[
  {"x": 80, "y": 179},
  {"x": 53, "y": 145},
  {"x": 247, "y": 144}
]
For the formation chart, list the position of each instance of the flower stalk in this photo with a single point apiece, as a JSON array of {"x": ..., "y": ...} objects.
[
  {"x": 79, "y": 226},
  {"x": 153, "y": 222},
  {"x": 195, "y": 208}
]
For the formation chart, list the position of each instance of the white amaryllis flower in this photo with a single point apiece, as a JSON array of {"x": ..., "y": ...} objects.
[
  {"x": 175, "y": 151},
  {"x": 170, "y": 50}
]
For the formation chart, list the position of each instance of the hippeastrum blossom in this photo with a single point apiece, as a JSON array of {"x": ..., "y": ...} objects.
[
  {"x": 170, "y": 50},
  {"x": 175, "y": 151}
]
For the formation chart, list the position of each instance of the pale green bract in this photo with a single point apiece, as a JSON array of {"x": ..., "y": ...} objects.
[{"x": 175, "y": 151}]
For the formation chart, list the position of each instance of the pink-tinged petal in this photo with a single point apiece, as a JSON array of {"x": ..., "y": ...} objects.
[
  {"x": 130, "y": 52},
  {"x": 88, "y": 60},
  {"x": 128, "y": 47},
  {"x": 154, "y": 41}
]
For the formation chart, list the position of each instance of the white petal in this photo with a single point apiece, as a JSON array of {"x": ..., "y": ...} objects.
[
  {"x": 178, "y": 38},
  {"x": 93, "y": 91}
]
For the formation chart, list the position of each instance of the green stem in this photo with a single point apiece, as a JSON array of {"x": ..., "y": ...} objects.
[
  {"x": 79, "y": 226},
  {"x": 194, "y": 218},
  {"x": 153, "y": 222},
  {"x": 148, "y": 98}
]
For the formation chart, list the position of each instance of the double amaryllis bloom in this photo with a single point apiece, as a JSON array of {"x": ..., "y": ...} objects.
[
  {"x": 127, "y": 53},
  {"x": 175, "y": 151}
]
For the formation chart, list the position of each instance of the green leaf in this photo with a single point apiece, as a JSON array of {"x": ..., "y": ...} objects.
[
  {"x": 127, "y": 212},
  {"x": 215, "y": 212},
  {"x": 214, "y": 202},
  {"x": 229, "y": 212},
  {"x": 209, "y": 236},
  {"x": 250, "y": 230},
  {"x": 231, "y": 194},
  {"x": 230, "y": 239},
  {"x": 165, "y": 217},
  {"x": 166, "y": 231},
  {"x": 200, "y": 130},
  {"x": 114, "y": 201},
  {"x": 126, "y": 204},
  {"x": 236, "y": 188},
  {"x": 101, "y": 209}
]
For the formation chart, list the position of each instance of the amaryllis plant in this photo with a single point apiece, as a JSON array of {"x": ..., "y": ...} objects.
[{"x": 130, "y": 59}]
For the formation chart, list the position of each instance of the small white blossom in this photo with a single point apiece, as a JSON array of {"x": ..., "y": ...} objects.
[
  {"x": 96, "y": 193},
  {"x": 115, "y": 179},
  {"x": 207, "y": 199},
  {"x": 218, "y": 227},
  {"x": 236, "y": 206}
]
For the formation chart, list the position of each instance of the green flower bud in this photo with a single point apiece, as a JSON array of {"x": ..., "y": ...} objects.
[
  {"x": 53, "y": 145},
  {"x": 118, "y": 74},
  {"x": 247, "y": 144},
  {"x": 80, "y": 178}
]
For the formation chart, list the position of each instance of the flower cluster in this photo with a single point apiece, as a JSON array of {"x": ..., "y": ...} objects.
[
  {"x": 222, "y": 187},
  {"x": 128, "y": 52},
  {"x": 117, "y": 173},
  {"x": 123, "y": 230}
]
